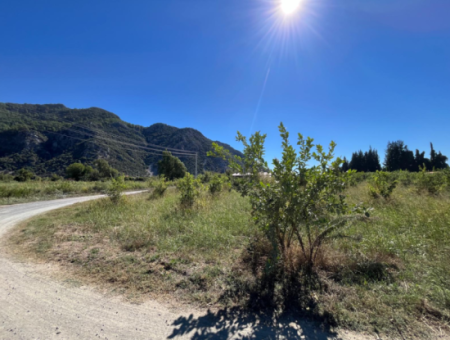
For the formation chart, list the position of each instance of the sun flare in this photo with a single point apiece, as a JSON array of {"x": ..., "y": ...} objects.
[{"x": 289, "y": 6}]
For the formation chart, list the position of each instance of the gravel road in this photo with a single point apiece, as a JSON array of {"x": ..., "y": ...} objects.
[{"x": 34, "y": 306}]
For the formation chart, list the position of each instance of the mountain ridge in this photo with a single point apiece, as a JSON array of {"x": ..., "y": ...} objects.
[{"x": 47, "y": 137}]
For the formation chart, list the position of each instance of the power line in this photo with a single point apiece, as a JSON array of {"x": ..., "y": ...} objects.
[
  {"x": 146, "y": 149},
  {"x": 93, "y": 142},
  {"x": 125, "y": 138},
  {"x": 130, "y": 144}
]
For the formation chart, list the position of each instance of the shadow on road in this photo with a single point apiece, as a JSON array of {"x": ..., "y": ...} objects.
[{"x": 234, "y": 323}]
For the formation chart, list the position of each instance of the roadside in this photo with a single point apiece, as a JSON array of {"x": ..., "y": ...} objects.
[
  {"x": 36, "y": 307},
  {"x": 25, "y": 192}
]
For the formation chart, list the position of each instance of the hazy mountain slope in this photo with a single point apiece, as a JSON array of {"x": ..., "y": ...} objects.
[{"x": 47, "y": 138}]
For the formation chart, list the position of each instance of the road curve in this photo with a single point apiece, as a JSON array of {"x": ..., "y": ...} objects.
[{"x": 33, "y": 306}]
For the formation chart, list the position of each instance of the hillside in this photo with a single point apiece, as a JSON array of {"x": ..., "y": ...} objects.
[{"x": 47, "y": 138}]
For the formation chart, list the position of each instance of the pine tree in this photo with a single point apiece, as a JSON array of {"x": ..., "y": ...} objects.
[
  {"x": 437, "y": 159},
  {"x": 345, "y": 166}
]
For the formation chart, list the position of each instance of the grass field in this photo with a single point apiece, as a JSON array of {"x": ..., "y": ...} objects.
[
  {"x": 392, "y": 277},
  {"x": 22, "y": 192}
]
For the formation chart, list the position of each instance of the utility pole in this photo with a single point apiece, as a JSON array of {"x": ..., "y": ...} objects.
[{"x": 196, "y": 164}]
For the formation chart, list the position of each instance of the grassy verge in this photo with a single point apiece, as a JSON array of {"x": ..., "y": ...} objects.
[
  {"x": 22, "y": 192},
  {"x": 146, "y": 246},
  {"x": 392, "y": 277}
]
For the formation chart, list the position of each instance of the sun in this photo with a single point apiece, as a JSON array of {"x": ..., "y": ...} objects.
[{"x": 289, "y": 6}]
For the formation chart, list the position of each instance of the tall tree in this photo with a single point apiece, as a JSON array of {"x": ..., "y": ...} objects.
[
  {"x": 437, "y": 159},
  {"x": 171, "y": 167},
  {"x": 399, "y": 157},
  {"x": 368, "y": 161},
  {"x": 358, "y": 161},
  {"x": 420, "y": 160},
  {"x": 345, "y": 166},
  {"x": 372, "y": 160}
]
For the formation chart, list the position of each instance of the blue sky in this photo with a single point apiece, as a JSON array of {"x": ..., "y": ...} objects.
[{"x": 359, "y": 72}]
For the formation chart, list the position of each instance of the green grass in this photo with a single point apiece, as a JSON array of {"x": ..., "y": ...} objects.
[
  {"x": 147, "y": 246},
  {"x": 407, "y": 243},
  {"x": 393, "y": 277},
  {"x": 22, "y": 192}
]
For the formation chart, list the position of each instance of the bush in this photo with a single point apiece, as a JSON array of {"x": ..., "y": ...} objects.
[
  {"x": 55, "y": 178},
  {"x": 303, "y": 206},
  {"x": 216, "y": 184},
  {"x": 92, "y": 176},
  {"x": 75, "y": 171},
  {"x": 357, "y": 177},
  {"x": 23, "y": 175},
  {"x": 116, "y": 188},
  {"x": 105, "y": 170},
  {"x": 383, "y": 185},
  {"x": 159, "y": 187},
  {"x": 188, "y": 187},
  {"x": 6, "y": 177},
  {"x": 433, "y": 183},
  {"x": 405, "y": 178},
  {"x": 206, "y": 177}
]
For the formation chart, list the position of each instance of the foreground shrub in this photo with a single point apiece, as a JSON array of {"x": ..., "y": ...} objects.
[
  {"x": 303, "y": 207},
  {"x": 206, "y": 177},
  {"x": 116, "y": 189},
  {"x": 432, "y": 183},
  {"x": 216, "y": 184},
  {"x": 188, "y": 187},
  {"x": 382, "y": 185},
  {"x": 357, "y": 177},
  {"x": 404, "y": 177},
  {"x": 159, "y": 187}
]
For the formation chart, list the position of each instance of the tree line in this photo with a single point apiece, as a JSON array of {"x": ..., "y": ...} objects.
[{"x": 398, "y": 157}]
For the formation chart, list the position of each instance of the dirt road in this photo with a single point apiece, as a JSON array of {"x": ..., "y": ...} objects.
[{"x": 34, "y": 306}]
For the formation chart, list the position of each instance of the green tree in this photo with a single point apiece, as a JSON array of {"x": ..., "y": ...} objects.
[
  {"x": 399, "y": 157},
  {"x": 171, "y": 167},
  {"x": 345, "y": 166},
  {"x": 421, "y": 161},
  {"x": 368, "y": 161},
  {"x": 372, "y": 161},
  {"x": 437, "y": 159},
  {"x": 105, "y": 170},
  {"x": 358, "y": 161},
  {"x": 75, "y": 171}
]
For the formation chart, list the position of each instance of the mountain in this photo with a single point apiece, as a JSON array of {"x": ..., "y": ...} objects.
[{"x": 47, "y": 138}]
